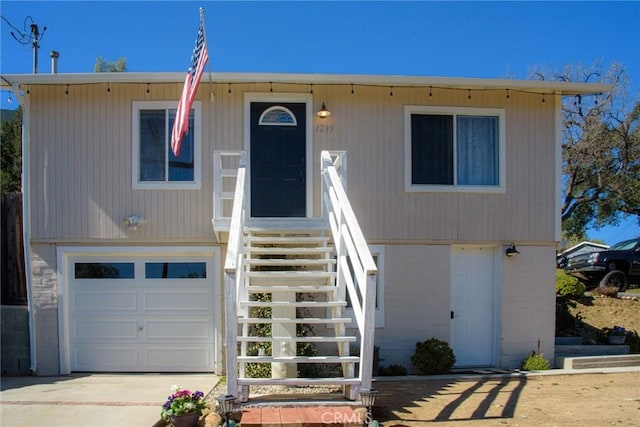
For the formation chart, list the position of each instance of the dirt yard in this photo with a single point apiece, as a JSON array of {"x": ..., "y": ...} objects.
[
  {"x": 556, "y": 400},
  {"x": 607, "y": 312}
]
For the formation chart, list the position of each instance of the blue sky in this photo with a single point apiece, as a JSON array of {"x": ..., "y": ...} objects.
[{"x": 461, "y": 39}]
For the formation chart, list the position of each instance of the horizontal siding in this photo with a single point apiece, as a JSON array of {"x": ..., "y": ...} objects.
[{"x": 81, "y": 152}]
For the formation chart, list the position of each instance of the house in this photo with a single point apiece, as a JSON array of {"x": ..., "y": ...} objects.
[
  {"x": 585, "y": 247},
  {"x": 396, "y": 211}
]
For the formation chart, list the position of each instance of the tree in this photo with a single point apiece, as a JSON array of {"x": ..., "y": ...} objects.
[
  {"x": 11, "y": 153},
  {"x": 600, "y": 151},
  {"x": 104, "y": 66}
]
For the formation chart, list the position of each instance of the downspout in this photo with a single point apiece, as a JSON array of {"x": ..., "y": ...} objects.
[{"x": 26, "y": 223}]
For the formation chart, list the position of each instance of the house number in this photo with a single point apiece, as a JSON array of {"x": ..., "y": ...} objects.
[{"x": 324, "y": 128}]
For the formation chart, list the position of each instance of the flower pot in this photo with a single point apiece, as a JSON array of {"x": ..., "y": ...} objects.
[
  {"x": 186, "y": 420},
  {"x": 616, "y": 339}
]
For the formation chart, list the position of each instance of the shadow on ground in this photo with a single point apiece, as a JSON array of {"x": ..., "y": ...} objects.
[{"x": 419, "y": 402}]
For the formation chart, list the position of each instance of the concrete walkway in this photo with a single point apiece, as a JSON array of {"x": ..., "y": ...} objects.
[{"x": 92, "y": 400}]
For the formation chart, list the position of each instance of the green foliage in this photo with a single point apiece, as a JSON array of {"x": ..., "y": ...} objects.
[
  {"x": 182, "y": 402},
  {"x": 11, "y": 154},
  {"x": 104, "y": 66},
  {"x": 392, "y": 371},
  {"x": 568, "y": 285},
  {"x": 600, "y": 150},
  {"x": 535, "y": 362},
  {"x": 432, "y": 357}
]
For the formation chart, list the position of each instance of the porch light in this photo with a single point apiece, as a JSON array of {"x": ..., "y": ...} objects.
[
  {"x": 225, "y": 406},
  {"x": 511, "y": 251},
  {"x": 323, "y": 112},
  {"x": 368, "y": 399},
  {"x": 133, "y": 222}
]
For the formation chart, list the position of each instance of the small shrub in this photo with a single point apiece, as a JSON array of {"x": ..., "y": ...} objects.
[
  {"x": 392, "y": 371},
  {"x": 433, "y": 357},
  {"x": 606, "y": 291},
  {"x": 534, "y": 362},
  {"x": 568, "y": 285}
]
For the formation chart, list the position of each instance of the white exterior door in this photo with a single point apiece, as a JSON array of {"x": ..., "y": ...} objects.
[
  {"x": 147, "y": 313},
  {"x": 473, "y": 306}
]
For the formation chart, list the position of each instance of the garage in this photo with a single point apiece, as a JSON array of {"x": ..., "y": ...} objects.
[{"x": 140, "y": 309}]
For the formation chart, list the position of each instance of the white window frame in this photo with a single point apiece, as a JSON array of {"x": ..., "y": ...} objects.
[
  {"x": 135, "y": 146},
  {"x": 454, "y": 111}
]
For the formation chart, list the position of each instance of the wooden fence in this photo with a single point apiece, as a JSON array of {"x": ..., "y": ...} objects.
[{"x": 13, "y": 283}]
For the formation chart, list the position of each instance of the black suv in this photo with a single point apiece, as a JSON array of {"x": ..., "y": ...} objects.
[{"x": 615, "y": 266}]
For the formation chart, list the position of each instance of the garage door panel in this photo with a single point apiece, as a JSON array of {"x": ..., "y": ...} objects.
[
  {"x": 158, "y": 317},
  {"x": 95, "y": 357},
  {"x": 96, "y": 330},
  {"x": 176, "y": 329},
  {"x": 186, "y": 358},
  {"x": 105, "y": 300},
  {"x": 185, "y": 300}
]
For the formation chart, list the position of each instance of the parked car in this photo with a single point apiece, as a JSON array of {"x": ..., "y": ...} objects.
[{"x": 617, "y": 266}]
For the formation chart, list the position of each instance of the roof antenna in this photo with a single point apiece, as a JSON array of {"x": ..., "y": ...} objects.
[{"x": 33, "y": 37}]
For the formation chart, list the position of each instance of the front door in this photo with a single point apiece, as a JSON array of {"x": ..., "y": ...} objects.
[
  {"x": 278, "y": 159},
  {"x": 473, "y": 306}
]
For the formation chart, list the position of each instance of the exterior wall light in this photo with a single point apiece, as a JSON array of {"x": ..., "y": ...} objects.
[
  {"x": 323, "y": 112},
  {"x": 511, "y": 251},
  {"x": 133, "y": 222}
]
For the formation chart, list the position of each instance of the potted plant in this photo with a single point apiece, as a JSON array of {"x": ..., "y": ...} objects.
[
  {"x": 617, "y": 335},
  {"x": 183, "y": 408}
]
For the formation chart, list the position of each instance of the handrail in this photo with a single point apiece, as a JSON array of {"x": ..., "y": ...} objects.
[
  {"x": 353, "y": 255},
  {"x": 233, "y": 276}
]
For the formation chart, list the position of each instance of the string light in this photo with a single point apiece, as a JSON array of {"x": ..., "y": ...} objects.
[
  {"x": 311, "y": 89},
  {"x": 270, "y": 87},
  {"x": 430, "y": 92},
  {"x": 66, "y": 92},
  {"x": 543, "y": 100},
  {"x": 391, "y": 91},
  {"x": 229, "y": 90},
  {"x": 469, "y": 94},
  {"x": 108, "y": 87},
  {"x": 148, "y": 88},
  {"x": 352, "y": 89},
  {"x": 508, "y": 95}
]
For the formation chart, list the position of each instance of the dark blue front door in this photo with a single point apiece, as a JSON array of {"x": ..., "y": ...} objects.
[{"x": 278, "y": 159}]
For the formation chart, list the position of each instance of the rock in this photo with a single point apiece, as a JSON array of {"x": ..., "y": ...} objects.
[{"x": 213, "y": 419}]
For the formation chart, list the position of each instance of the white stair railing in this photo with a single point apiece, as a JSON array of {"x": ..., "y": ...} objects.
[
  {"x": 233, "y": 281},
  {"x": 226, "y": 164},
  {"x": 356, "y": 269}
]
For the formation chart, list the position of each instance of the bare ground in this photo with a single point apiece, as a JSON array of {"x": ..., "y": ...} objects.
[
  {"x": 598, "y": 313},
  {"x": 554, "y": 400}
]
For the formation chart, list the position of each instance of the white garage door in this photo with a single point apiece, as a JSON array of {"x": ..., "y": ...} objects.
[{"x": 147, "y": 314}]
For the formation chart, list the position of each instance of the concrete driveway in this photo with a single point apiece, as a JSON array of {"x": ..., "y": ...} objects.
[{"x": 92, "y": 400}]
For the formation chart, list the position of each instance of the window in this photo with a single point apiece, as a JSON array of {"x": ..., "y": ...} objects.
[
  {"x": 175, "y": 270},
  {"x": 454, "y": 149},
  {"x": 154, "y": 165},
  {"x": 104, "y": 270}
]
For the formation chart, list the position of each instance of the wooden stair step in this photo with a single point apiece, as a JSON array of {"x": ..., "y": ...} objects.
[
  {"x": 290, "y": 251},
  {"x": 293, "y": 262},
  {"x": 313, "y": 339},
  {"x": 293, "y": 274},
  {"x": 300, "y": 288},
  {"x": 290, "y": 320},
  {"x": 307, "y": 304},
  {"x": 298, "y": 381},
  {"x": 298, "y": 359},
  {"x": 270, "y": 240}
]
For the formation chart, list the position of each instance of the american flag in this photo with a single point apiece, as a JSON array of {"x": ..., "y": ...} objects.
[{"x": 199, "y": 59}]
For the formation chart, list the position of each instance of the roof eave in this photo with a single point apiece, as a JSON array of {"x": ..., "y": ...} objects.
[{"x": 536, "y": 86}]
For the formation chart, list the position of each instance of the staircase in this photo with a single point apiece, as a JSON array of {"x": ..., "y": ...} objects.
[
  {"x": 290, "y": 279},
  {"x": 286, "y": 287}
]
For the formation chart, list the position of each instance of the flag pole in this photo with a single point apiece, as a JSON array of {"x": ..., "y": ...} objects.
[{"x": 204, "y": 30}]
